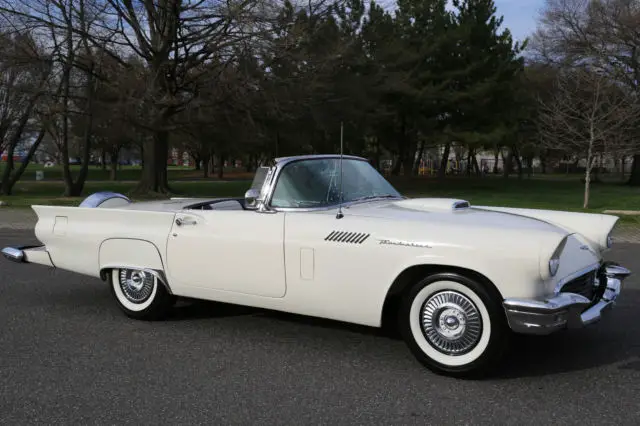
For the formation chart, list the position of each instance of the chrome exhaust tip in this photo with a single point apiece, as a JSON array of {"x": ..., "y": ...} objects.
[{"x": 13, "y": 254}]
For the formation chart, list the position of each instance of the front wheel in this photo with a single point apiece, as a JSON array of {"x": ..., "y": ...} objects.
[
  {"x": 140, "y": 295},
  {"x": 453, "y": 325}
]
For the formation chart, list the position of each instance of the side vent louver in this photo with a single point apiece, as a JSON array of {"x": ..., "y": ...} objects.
[{"x": 347, "y": 237}]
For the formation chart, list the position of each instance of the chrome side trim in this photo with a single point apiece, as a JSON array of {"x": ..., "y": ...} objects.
[
  {"x": 564, "y": 310},
  {"x": 159, "y": 274},
  {"x": 13, "y": 254}
]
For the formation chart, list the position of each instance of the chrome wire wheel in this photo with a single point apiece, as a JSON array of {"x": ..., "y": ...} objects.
[
  {"x": 451, "y": 322},
  {"x": 136, "y": 285},
  {"x": 140, "y": 293}
]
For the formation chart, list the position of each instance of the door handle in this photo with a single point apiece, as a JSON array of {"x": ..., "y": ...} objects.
[{"x": 184, "y": 221}]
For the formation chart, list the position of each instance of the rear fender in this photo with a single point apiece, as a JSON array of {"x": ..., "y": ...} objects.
[{"x": 125, "y": 253}]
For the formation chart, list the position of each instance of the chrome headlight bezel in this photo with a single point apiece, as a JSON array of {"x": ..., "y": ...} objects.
[
  {"x": 610, "y": 240},
  {"x": 554, "y": 265},
  {"x": 554, "y": 261}
]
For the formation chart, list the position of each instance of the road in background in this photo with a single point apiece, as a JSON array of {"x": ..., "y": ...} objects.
[{"x": 67, "y": 355}]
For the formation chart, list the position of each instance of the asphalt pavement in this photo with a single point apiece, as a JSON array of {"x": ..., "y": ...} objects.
[{"x": 68, "y": 356}]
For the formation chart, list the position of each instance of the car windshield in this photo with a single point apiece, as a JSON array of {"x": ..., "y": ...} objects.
[{"x": 316, "y": 183}]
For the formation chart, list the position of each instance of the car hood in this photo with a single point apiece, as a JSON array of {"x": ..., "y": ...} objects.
[{"x": 448, "y": 211}]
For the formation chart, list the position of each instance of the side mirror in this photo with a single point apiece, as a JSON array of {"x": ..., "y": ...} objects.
[{"x": 251, "y": 198}]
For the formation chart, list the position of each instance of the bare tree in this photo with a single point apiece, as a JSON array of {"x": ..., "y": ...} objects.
[
  {"x": 603, "y": 33},
  {"x": 586, "y": 116},
  {"x": 25, "y": 71}
]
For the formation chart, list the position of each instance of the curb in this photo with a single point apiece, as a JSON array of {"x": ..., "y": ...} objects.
[{"x": 623, "y": 212}]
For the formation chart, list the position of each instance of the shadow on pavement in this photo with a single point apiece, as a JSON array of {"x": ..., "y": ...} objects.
[{"x": 599, "y": 345}]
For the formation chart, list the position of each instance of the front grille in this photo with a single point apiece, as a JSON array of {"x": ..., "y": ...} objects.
[{"x": 583, "y": 285}]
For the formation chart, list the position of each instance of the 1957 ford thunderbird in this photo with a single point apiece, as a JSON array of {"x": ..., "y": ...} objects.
[{"x": 328, "y": 236}]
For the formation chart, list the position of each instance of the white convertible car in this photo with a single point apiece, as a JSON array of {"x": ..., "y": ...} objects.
[{"x": 329, "y": 237}]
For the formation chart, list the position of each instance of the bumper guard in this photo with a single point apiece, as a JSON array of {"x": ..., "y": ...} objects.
[{"x": 565, "y": 310}]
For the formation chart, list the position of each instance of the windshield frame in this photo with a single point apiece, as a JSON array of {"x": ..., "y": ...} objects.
[{"x": 272, "y": 181}]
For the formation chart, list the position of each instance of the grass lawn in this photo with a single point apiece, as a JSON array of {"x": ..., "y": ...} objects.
[
  {"x": 124, "y": 173},
  {"x": 543, "y": 192}
]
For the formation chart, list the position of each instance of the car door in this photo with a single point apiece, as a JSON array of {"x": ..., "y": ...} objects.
[{"x": 236, "y": 250}]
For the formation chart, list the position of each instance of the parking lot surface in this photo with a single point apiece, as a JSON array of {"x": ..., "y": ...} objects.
[{"x": 68, "y": 356}]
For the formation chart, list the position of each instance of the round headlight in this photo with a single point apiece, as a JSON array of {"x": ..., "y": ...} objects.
[{"x": 554, "y": 264}]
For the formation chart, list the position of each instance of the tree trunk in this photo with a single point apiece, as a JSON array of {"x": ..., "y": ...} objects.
[
  {"x": 66, "y": 91},
  {"x": 442, "y": 171},
  {"x": 402, "y": 147},
  {"x": 495, "y": 164},
  {"x": 205, "y": 166},
  {"x": 113, "y": 156},
  {"x": 587, "y": 172},
  {"x": 634, "y": 178},
  {"x": 476, "y": 166},
  {"x": 221, "y": 166},
  {"x": 103, "y": 159},
  {"x": 587, "y": 181},
  {"x": 154, "y": 170},
  {"x": 376, "y": 158},
  {"x": 8, "y": 184},
  {"x": 64, "y": 143},
  {"x": 397, "y": 165},
  {"x": 516, "y": 156},
  {"x": 8, "y": 168},
  {"x": 77, "y": 186},
  {"x": 5, "y": 186},
  {"x": 507, "y": 164},
  {"x": 416, "y": 165}
]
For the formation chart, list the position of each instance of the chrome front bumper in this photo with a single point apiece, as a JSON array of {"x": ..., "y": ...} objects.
[{"x": 565, "y": 310}]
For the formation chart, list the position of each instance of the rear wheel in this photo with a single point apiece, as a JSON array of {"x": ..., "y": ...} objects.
[
  {"x": 140, "y": 295},
  {"x": 453, "y": 325}
]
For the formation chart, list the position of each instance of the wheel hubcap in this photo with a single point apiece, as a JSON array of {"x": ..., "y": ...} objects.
[
  {"x": 136, "y": 285},
  {"x": 451, "y": 322}
]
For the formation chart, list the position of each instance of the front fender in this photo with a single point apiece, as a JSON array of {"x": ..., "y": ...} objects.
[
  {"x": 595, "y": 227},
  {"x": 511, "y": 272}
]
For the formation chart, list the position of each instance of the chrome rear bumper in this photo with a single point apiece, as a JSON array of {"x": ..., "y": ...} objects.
[
  {"x": 13, "y": 254},
  {"x": 28, "y": 254},
  {"x": 565, "y": 310}
]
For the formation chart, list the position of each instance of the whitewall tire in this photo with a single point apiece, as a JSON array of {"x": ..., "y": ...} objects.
[
  {"x": 454, "y": 325},
  {"x": 140, "y": 294}
]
